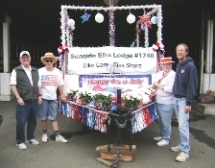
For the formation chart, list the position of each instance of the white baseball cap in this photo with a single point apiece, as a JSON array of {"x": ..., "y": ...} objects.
[{"x": 24, "y": 53}]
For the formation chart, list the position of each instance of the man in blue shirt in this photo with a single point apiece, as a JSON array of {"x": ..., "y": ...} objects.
[{"x": 185, "y": 90}]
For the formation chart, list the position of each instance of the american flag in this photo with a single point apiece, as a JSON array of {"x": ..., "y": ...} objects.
[{"x": 49, "y": 80}]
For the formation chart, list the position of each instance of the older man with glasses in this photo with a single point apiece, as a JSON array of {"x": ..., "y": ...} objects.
[{"x": 50, "y": 79}]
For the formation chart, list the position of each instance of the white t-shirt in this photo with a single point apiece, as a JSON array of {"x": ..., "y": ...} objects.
[
  {"x": 49, "y": 82},
  {"x": 165, "y": 96}
]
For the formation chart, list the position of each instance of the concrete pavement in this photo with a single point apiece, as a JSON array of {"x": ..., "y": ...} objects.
[{"x": 80, "y": 151}]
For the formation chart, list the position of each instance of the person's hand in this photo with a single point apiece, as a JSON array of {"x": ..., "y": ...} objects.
[
  {"x": 187, "y": 109},
  {"x": 20, "y": 101},
  {"x": 157, "y": 85},
  {"x": 39, "y": 101},
  {"x": 63, "y": 98}
]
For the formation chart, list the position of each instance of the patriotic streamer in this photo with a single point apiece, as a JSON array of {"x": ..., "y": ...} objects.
[
  {"x": 95, "y": 119},
  {"x": 146, "y": 20},
  {"x": 111, "y": 28},
  {"x": 159, "y": 48}
]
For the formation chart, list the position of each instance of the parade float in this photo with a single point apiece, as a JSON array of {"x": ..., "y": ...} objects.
[{"x": 109, "y": 85}]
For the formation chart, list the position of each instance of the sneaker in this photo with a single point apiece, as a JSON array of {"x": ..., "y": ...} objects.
[
  {"x": 45, "y": 138},
  {"x": 33, "y": 142},
  {"x": 176, "y": 149},
  {"x": 159, "y": 138},
  {"x": 21, "y": 146},
  {"x": 182, "y": 157},
  {"x": 163, "y": 142},
  {"x": 60, "y": 138}
]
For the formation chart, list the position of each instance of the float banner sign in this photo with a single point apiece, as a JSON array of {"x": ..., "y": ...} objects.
[
  {"x": 112, "y": 83},
  {"x": 111, "y": 60}
]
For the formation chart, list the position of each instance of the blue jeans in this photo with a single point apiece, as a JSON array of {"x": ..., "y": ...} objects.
[
  {"x": 48, "y": 110},
  {"x": 165, "y": 112},
  {"x": 26, "y": 113},
  {"x": 183, "y": 124}
]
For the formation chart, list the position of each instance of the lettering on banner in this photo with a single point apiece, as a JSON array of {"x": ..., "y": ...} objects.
[
  {"x": 123, "y": 55},
  {"x": 143, "y": 55},
  {"x": 84, "y": 56},
  {"x": 104, "y": 55},
  {"x": 126, "y": 65},
  {"x": 127, "y": 81}
]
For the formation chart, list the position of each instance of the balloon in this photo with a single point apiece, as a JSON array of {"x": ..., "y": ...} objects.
[
  {"x": 143, "y": 26},
  {"x": 99, "y": 18},
  {"x": 131, "y": 18},
  {"x": 71, "y": 22},
  {"x": 73, "y": 27},
  {"x": 154, "y": 20}
]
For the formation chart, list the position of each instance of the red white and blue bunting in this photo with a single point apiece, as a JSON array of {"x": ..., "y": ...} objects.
[{"x": 95, "y": 119}]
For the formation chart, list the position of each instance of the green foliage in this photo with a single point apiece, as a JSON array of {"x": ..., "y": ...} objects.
[
  {"x": 84, "y": 96},
  {"x": 105, "y": 100},
  {"x": 72, "y": 93},
  {"x": 130, "y": 101}
]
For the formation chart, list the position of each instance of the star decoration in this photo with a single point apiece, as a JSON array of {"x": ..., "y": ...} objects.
[
  {"x": 85, "y": 17},
  {"x": 145, "y": 19}
]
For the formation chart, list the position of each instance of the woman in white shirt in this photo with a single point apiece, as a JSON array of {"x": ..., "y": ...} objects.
[{"x": 164, "y": 100}]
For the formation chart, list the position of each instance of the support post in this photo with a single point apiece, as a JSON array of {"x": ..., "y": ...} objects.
[{"x": 6, "y": 44}]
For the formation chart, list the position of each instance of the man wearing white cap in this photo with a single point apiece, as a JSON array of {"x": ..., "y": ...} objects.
[{"x": 23, "y": 82}]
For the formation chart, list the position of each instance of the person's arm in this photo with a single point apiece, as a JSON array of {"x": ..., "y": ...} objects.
[
  {"x": 61, "y": 92},
  {"x": 61, "y": 87},
  {"x": 14, "y": 88},
  {"x": 15, "y": 92},
  {"x": 39, "y": 101},
  {"x": 192, "y": 85}
]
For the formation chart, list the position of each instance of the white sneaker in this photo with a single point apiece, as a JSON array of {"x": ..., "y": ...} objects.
[
  {"x": 45, "y": 138},
  {"x": 33, "y": 142},
  {"x": 158, "y": 138},
  {"x": 60, "y": 138},
  {"x": 182, "y": 157},
  {"x": 176, "y": 149},
  {"x": 21, "y": 146},
  {"x": 163, "y": 142}
]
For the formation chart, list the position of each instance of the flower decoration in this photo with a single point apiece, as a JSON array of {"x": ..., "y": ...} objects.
[
  {"x": 85, "y": 17},
  {"x": 72, "y": 93},
  {"x": 158, "y": 47},
  {"x": 61, "y": 50},
  {"x": 145, "y": 19},
  {"x": 132, "y": 99},
  {"x": 102, "y": 100},
  {"x": 84, "y": 97}
]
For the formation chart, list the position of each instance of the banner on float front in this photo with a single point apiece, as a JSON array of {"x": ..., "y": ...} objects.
[
  {"x": 112, "y": 83},
  {"x": 111, "y": 60}
]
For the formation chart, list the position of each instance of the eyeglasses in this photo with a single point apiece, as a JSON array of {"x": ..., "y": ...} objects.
[{"x": 49, "y": 60}]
